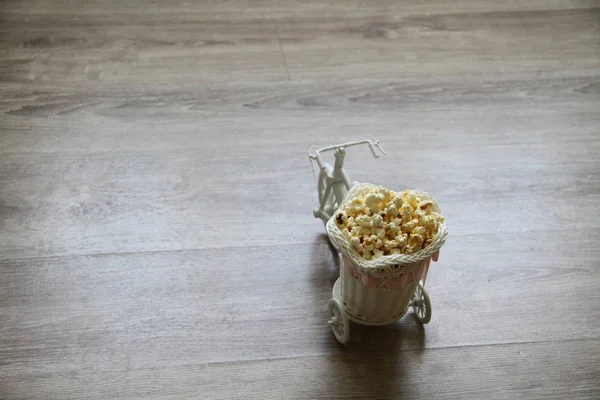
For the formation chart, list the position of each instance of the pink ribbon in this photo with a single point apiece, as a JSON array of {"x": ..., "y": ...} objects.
[{"x": 396, "y": 282}]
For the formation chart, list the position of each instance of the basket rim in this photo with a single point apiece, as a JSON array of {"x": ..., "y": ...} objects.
[{"x": 372, "y": 267}]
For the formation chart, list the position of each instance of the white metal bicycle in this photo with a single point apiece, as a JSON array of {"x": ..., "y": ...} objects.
[{"x": 334, "y": 182}]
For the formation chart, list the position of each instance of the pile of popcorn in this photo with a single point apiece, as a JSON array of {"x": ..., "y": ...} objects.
[{"x": 381, "y": 222}]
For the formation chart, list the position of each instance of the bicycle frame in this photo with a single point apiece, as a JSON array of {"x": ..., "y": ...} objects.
[{"x": 336, "y": 179}]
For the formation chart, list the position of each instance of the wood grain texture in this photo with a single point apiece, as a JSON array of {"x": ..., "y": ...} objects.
[{"x": 156, "y": 229}]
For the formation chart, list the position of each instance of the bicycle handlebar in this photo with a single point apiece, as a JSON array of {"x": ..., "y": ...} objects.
[{"x": 373, "y": 146}]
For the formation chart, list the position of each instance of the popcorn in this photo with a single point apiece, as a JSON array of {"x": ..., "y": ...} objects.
[
  {"x": 377, "y": 221},
  {"x": 380, "y": 222},
  {"x": 377, "y": 254},
  {"x": 356, "y": 206},
  {"x": 427, "y": 206},
  {"x": 366, "y": 255},
  {"x": 373, "y": 201},
  {"x": 437, "y": 217},
  {"x": 356, "y": 231},
  {"x": 368, "y": 245},
  {"x": 411, "y": 198},
  {"x": 355, "y": 242},
  {"x": 415, "y": 243},
  {"x": 401, "y": 239},
  {"x": 341, "y": 218},
  {"x": 363, "y": 220},
  {"x": 407, "y": 211},
  {"x": 409, "y": 226},
  {"x": 390, "y": 244},
  {"x": 419, "y": 230},
  {"x": 388, "y": 195}
]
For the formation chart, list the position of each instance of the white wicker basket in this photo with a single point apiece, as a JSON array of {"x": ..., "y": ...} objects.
[
  {"x": 373, "y": 305},
  {"x": 379, "y": 291}
]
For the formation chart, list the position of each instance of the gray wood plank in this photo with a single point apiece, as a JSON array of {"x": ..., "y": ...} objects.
[{"x": 567, "y": 369}]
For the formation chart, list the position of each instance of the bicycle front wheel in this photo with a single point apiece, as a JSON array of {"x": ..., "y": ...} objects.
[{"x": 331, "y": 203}]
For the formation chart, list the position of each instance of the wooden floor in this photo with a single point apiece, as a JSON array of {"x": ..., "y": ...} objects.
[{"x": 156, "y": 230}]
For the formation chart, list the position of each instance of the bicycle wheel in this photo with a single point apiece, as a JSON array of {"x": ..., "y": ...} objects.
[
  {"x": 338, "y": 321},
  {"x": 421, "y": 305}
]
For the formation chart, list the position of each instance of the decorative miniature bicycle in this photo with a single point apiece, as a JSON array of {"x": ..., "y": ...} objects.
[{"x": 370, "y": 292}]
